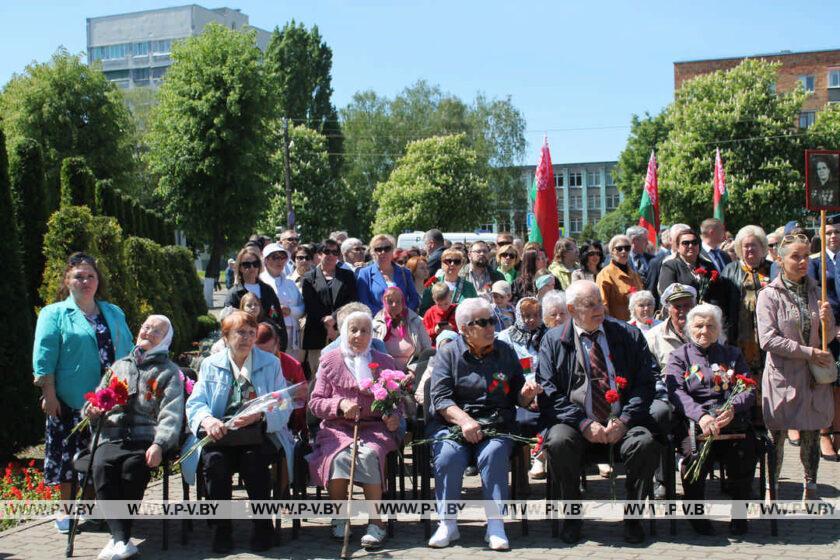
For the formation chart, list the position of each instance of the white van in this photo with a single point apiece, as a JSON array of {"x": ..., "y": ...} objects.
[{"x": 415, "y": 238}]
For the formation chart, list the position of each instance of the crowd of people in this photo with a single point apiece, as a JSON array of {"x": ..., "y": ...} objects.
[{"x": 487, "y": 335}]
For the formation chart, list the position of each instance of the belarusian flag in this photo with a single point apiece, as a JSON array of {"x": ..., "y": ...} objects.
[
  {"x": 721, "y": 196},
  {"x": 649, "y": 207},
  {"x": 544, "y": 197}
]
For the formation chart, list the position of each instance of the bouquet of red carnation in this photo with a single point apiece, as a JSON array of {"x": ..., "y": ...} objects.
[
  {"x": 741, "y": 385},
  {"x": 706, "y": 277},
  {"x": 106, "y": 399}
]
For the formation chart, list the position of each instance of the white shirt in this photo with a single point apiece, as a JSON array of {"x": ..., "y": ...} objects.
[
  {"x": 289, "y": 296},
  {"x": 241, "y": 373},
  {"x": 586, "y": 344}
]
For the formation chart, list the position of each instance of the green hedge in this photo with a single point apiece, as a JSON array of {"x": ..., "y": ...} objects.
[
  {"x": 23, "y": 422},
  {"x": 77, "y": 182},
  {"x": 141, "y": 276}
]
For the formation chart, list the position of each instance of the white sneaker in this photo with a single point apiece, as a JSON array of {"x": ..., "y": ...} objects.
[
  {"x": 495, "y": 536},
  {"x": 374, "y": 537},
  {"x": 107, "y": 552},
  {"x": 338, "y": 527},
  {"x": 537, "y": 471},
  {"x": 63, "y": 525},
  {"x": 446, "y": 533},
  {"x": 123, "y": 550}
]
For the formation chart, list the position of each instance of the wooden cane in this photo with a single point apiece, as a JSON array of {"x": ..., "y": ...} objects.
[
  {"x": 353, "y": 454},
  {"x": 824, "y": 294}
]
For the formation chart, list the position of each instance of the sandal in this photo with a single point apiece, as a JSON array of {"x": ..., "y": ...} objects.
[{"x": 834, "y": 457}]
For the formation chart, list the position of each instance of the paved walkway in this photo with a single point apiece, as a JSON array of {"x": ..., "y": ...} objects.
[{"x": 814, "y": 540}]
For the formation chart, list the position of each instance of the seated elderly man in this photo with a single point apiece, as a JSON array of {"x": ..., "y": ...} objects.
[
  {"x": 476, "y": 378},
  {"x": 577, "y": 368}
]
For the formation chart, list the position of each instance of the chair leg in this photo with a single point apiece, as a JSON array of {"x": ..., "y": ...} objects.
[
  {"x": 277, "y": 495},
  {"x": 671, "y": 481},
  {"x": 391, "y": 493},
  {"x": 164, "y": 523}
]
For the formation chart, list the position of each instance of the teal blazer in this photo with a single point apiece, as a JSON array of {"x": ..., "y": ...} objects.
[{"x": 65, "y": 346}]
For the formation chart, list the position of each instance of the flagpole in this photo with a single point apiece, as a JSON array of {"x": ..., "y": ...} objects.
[{"x": 824, "y": 294}]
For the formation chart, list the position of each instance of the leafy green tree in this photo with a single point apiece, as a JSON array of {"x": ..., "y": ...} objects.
[
  {"x": 77, "y": 183},
  {"x": 17, "y": 399},
  {"x": 438, "y": 183},
  {"x": 26, "y": 174},
  {"x": 377, "y": 131},
  {"x": 317, "y": 198},
  {"x": 298, "y": 66},
  {"x": 647, "y": 133},
  {"x": 740, "y": 112},
  {"x": 208, "y": 139},
  {"x": 70, "y": 109},
  {"x": 824, "y": 134}
]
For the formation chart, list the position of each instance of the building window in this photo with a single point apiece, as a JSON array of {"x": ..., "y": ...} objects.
[
  {"x": 140, "y": 49},
  {"x": 558, "y": 180},
  {"x": 610, "y": 178},
  {"x": 575, "y": 179},
  {"x": 593, "y": 178},
  {"x": 140, "y": 76},
  {"x": 613, "y": 200},
  {"x": 807, "y": 83},
  {"x": 111, "y": 52},
  {"x": 162, "y": 47},
  {"x": 594, "y": 200},
  {"x": 575, "y": 224},
  {"x": 834, "y": 78},
  {"x": 575, "y": 201},
  {"x": 806, "y": 118}
]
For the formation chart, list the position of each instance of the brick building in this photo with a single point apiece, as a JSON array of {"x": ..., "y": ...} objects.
[{"x": 817, "y": 71}]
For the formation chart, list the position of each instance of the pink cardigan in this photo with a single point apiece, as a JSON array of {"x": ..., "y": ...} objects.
[{"x": 334, "y": 383}]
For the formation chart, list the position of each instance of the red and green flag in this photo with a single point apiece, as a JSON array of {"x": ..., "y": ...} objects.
[
  {"x": 544, "y": 198},
  {"x": 649, "y": 207},
  {"x": 721, "y": 195}
]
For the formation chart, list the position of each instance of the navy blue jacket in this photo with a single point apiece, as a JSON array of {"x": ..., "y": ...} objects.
[{"x": 814, "y": 271}]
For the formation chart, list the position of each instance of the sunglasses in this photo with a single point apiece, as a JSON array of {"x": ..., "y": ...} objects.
[
  {"x": 81, "y": 259},
  {"x": 278, "y": 256},
  {"x": 800, "y": 237},
  {"x": 452, "y": 261},
  {"x": 690, "y": 242},
  {"x": 383, "y": 249},
  {"x": 333, "y": 252},
  {"x": 772, "y": 245},
  {"x": 249, "y": 264},
  {"x": 483, "y": 322},
  {"x": 622, "y": 248},
  {"x": 303, "y": 258},
  {"x": 507, "y": 256}
]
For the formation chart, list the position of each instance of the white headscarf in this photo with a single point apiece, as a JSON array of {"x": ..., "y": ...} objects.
[
  {"x": 163, "y": 345},
  {"x": 358, "y": 363}
]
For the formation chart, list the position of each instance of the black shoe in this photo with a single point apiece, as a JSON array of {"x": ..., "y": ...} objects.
[
  {"x": 738, "y": 526},
  {"x": 659, "y": 491},
  {"x": 702, "y": 526},
  {"x": 223, "y": 540},
  {"x": 570, "y": 534},
  {"x": 634, "y": 533},
  {"x": 262, "y": 536}
]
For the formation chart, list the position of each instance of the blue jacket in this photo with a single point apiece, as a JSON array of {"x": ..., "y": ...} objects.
[
  {"x": 210, "y": 397},
  {"x": 65, "y": 346},
  {"x": 370, "y": 285}
]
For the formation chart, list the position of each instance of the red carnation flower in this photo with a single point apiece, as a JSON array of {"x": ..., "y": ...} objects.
[
  {"x": 620, "y": 382},
  {"x": 611, "y": 396},
  {"x": 700, "y": 271},
  {"x": 120, "y": 389},
  {"x": 714, "y": 276},
  {"x": 746, "y": 381},
  {"x": 373, "y": 366},
  {"x": 107, "y": 399}
]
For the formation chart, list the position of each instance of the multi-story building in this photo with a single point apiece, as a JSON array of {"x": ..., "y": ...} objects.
[
  {"x": 585, "y": 192},
  {"x": 134, "y": 48},
  {"x": 817, "y": 71}
]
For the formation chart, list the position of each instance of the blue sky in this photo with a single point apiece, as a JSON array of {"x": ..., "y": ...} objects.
[{"x": 577, "y": 70}]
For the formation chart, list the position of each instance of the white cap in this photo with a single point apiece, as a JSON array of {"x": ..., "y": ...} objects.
[
  {"x": 677, "y": 291},
  {"x": 273, "y": 248}
]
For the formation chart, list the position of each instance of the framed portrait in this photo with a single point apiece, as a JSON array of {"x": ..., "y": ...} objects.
[{"x": 822, "y": 180}]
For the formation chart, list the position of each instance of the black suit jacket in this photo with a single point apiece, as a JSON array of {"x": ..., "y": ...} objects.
[
  {"x": 321, "y": 300},
  {"x": 652, "y": 280},
  {"x": 726, "y": 260},
  {"x": 565, "y": 381},
  {"x": 433, "y": 260}
]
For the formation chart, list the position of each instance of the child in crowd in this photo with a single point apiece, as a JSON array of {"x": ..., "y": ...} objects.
[
  {"x": 440, "y": 316},
  {"x": 503, "y": 311}
]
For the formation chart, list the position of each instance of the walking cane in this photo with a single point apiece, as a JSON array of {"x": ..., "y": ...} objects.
[
  {"x": 75, "y": 522},
  {"x": 353, "y": 454}
]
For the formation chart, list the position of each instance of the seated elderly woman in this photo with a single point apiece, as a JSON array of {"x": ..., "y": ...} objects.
[
  {"x": 226, "y": 381},
  {"x": 475, "y": 378},
  {"x": 135, "y": 436},
  {"x": 698, "y": 380},
  {"x": 641, "y": 306},
  {"x": 339, "y": 401},
  {"x": 401, "y": 329}
]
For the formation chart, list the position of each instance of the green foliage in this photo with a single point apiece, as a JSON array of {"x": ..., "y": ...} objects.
[
  {"x": 438, "y": 183},
  {"x": 377, "y": 131},
  {"x": 26, "y": 174},
  {"x": 206, "y": 325},
  {"x": 740, "y": 112},
  {"x": 588, "y": 232},
  {"x": 77, "y": 183},
  {"x": 316, "y": 197},
  {"x": 647, "y": 133},
  {"x": 69, "y": 229},
  {"x": 70, "y": 109},
  {"x": 298, "y": 65},
  {"x": 825, "y": 132},
  {"x": 208, "y": 139},
  {"x": 615, "y": 222},
  {"x": 18, "y": 399}
]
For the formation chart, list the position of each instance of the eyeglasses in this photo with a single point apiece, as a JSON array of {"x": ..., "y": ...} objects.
[
  {"x": 483, "y": 322},
  {"x": 249, "y": 264},
  {"x": 303, "y": 258},
  {"x": 382, "y": 249},
  {"x": 278, "y": 256},
  {"x": 507, "y": 256},
  {"x": 690, "y": 242},
  {"x": 333, "y": 252},
  {"x": 452, "y": 261},
  {"x": 622, "y": 248},
  {"x": 245, "y": 334}
]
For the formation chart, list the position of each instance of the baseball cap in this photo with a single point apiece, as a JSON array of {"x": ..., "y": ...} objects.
[
  {"x": 501, "y": 287},
  {"x": 273, "y": 248}
]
